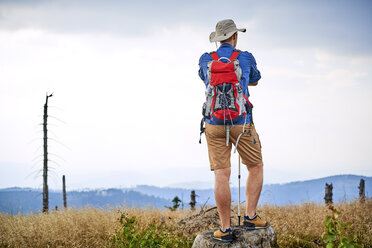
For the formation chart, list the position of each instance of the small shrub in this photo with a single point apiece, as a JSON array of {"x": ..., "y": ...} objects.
[
  {"x": 152, "y": 236},
  {"x": 334, "y": 236}
]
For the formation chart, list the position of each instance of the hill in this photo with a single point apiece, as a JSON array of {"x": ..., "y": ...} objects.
[
  {"x": 345, "y": 188},
  {"x": 18, "y": 200},
  {"x": 25, "y": 200}
]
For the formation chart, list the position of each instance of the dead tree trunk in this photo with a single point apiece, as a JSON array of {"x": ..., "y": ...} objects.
[
  {"x": 64, "y": 191},
  {"x": 45, "y": 167},
  {"x": 193, "y": 200},
  {"x": 362, "y": 192},
  {"x": 328, "y": 194}
]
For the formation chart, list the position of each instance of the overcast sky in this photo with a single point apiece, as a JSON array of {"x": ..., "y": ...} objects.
[{"x": 127, "y": 98}]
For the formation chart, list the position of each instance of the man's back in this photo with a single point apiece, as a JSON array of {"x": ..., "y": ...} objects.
[{"x": 250, "y": 73}]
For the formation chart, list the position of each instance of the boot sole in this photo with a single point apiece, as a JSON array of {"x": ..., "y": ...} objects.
[
  {"x": 223, "y": 240},
  {"x": 255, "y": 228}
]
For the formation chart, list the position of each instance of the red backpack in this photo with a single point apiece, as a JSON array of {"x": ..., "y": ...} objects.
[{"x": 225, "y": 101}]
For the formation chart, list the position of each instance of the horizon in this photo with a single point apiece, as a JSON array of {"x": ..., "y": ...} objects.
[
  {"x": 127, "y": 99},
  {"x": 174, "y": 186}
]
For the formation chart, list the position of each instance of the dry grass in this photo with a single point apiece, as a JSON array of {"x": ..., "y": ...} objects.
[
  {"x": 296, "y": 225},
  {"x": 303, "y": 225},
  {"x": 89, "y": 227}
]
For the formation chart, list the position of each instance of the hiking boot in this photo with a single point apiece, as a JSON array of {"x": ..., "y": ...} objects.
[
  {"x": 224, "y": 236},
  {"x": 255, "y": 223}
]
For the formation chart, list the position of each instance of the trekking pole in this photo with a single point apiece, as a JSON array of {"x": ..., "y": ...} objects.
[{"x": 239, "y": 191}]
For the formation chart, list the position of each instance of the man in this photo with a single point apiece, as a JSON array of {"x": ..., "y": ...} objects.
[{"x": 219, "y": 145}]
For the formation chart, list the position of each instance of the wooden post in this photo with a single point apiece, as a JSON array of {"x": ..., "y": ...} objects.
[
  {"x": 328, "y": 194},
  {"x": 193, "y": 201},
  {"x": 45, "y": 167},
  {"x": 64, "y": 191},
  {"x": 362, "y": 192}
]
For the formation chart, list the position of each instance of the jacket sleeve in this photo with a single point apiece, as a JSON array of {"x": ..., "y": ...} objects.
[
  {"x": 249, "y": 67},
  {"x": 203, "y": 67},
  {"x": 254, "y": 74}
]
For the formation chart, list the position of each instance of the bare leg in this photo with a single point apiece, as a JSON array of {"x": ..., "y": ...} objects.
[
  {"x": 253, "y": 188},
  {"x": 223, "y": 196}
]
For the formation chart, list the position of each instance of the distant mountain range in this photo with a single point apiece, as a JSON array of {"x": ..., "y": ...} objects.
[{"x": 26, "y": 200}]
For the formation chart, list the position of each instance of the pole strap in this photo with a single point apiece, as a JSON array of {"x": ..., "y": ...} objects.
[{"x": 202, "y": 128}]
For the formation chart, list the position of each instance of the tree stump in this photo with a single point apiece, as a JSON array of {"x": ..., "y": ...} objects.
[
  {"x": 328, "y": 194},
  {"x": 362, "y": 191},
  {"x": 260, "y": 238}
]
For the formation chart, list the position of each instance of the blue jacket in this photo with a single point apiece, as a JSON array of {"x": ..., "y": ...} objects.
[{"x": 250, "y": 73}]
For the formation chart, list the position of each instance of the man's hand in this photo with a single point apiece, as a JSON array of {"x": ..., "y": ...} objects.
[{"x": 253, "y": 84}]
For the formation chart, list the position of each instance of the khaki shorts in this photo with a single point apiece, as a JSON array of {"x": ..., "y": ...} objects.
[{"x": 249, "y": 146}]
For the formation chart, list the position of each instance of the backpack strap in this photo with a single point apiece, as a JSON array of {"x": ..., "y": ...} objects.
[
  {"x": 215, "y": 56},
  {"x": 234, "y": 55}
]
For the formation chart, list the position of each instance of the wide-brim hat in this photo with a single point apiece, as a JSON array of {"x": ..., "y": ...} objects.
[{"x": 224, "y": 30}]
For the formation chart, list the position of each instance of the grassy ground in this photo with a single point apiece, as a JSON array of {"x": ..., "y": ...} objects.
[{"x": 295, "y": 225}]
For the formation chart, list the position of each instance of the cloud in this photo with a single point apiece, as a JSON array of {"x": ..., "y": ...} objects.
[
  {"x": 337, "y": 26},
  {"x": 115, "y": 66}
]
